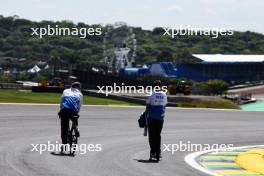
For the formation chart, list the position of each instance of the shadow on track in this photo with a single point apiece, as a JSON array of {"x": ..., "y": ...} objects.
[
  {"x": 145, "y": 161},
  {"x": 62, "y": 154}
]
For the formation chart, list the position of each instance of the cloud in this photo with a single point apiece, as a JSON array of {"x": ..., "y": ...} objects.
[
  {"x": 209, "y": 11},
  {"x": 174, "y": 8}
]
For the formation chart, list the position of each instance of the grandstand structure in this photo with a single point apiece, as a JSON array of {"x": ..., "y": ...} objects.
[{"x": 225, "y": 67}]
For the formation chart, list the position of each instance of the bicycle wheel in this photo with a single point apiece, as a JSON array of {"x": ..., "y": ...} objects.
[{"x": 73, "y": 141}]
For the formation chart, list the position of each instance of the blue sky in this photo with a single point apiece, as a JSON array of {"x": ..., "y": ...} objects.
[{"x": 238, "y": 14}]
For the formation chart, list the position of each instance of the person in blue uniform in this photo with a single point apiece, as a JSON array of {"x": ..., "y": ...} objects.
[
  {"x": 155, "y": 108},
  {"x": 70, "y": 105}
]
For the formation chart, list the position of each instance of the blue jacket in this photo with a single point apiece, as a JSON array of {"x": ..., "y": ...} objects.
[
  {"x": 71, "y": 99},
  {"x": 157, "y": 102}
]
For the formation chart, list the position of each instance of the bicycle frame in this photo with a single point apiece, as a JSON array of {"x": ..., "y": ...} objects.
[{"x": 72, "y": 138}]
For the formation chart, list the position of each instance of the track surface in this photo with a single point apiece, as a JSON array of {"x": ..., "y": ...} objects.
[{"x": 122, "y": 141}]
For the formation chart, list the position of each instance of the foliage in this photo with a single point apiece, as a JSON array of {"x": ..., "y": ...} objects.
[
  {"x": 200, "y": 88},
  {"x": 16, "y": 41},
  {"x": 6, "y": 78},
  {"x": 217, "y": 87},
  {"x": 210, "y": 103},
  {"x": 211, "y": 87}
]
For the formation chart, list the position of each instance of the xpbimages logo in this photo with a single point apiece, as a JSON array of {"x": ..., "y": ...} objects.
[
  {"x": 62, "y": 31},
  {"x": 194, "y": 31},
  {"x": 125, "y": 89},
  {"x": 56, "y": 147},
  {"x": 182, "y": 146}
]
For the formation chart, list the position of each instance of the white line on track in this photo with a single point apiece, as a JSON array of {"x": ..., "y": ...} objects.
[
  {"x": 213, "y": 109},
  {"x": 191, "y": 159}
]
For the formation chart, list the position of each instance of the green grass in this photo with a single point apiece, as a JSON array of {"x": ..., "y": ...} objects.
[
  {"x": 217, "y": 103},
  {"x": 18, "y": 96}
]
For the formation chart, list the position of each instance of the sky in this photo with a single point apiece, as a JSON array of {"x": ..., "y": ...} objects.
[{"x": 239, "y": 15}]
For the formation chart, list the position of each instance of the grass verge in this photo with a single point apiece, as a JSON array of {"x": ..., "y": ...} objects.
[
  {"x": 20, "y": 96},
  {"x": 217, "y": 103}
]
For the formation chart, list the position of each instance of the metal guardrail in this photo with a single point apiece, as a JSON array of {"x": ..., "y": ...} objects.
[
  {"x": 245, "y": 86},
  {"x": 13, "y": 86},
  {"x": 140, "y": 101},
  {"x": 240, "y": 99}
]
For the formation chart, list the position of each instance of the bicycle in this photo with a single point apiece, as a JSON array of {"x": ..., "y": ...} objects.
[{"x": 72, "y": 138}]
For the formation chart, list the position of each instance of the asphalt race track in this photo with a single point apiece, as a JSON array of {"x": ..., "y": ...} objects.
[{"x": 123, "y": 143}]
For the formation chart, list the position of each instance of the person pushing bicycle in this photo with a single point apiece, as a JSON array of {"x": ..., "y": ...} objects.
[{"x": 70, "y": 105}]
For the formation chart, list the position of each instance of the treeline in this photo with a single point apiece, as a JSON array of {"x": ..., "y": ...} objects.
[{"x": 16, "y": 41}]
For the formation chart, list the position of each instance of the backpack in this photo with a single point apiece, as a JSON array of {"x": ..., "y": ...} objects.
[{"x": 142, "y": 121}]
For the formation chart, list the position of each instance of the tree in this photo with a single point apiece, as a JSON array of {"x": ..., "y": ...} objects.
[
  {"x": 165, "y": 56},
  {"x": 158, "y": 31},
  {"x": 217, "y": 87},
  {"x": 16, "y": 41},
  {"x": 183, "y": 56}
]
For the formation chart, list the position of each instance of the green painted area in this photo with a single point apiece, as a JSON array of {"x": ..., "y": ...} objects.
[
  {"x": 258, "y": 106},
  {"x": 221, "y": 167},
  {"x": 221, "y": 163},
  {"x": 223, "y": 154},
  {"x": 208, "y": 157}
]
